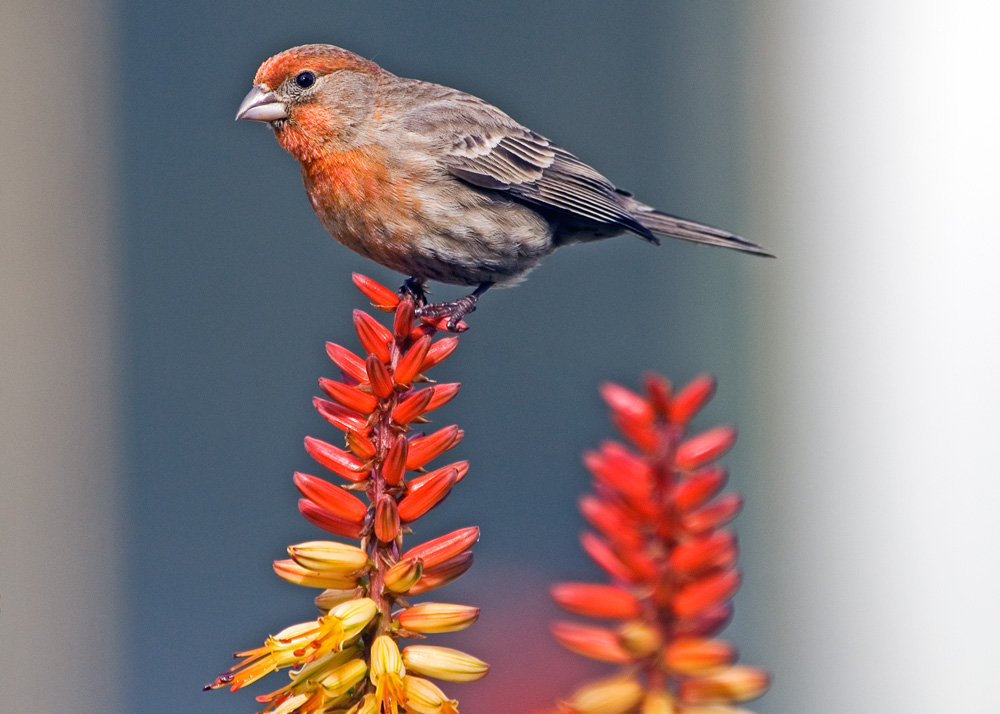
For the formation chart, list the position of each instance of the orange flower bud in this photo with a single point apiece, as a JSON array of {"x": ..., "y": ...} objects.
[
  {"x": 339, "y": 416},
  {"x": 373, "y": 335},
  {"x": 660, "y": 702},
  {"x": 439, "y": 352},
  {"x": 337, "y": 460},
  {"x": 430, "y": 618},
  {"x": 386, "y": 519},
  {"x": 443, "y": 573},
  {"x": 705, "y": 447},
  {"x": 322, "y": 518},
  {"x": 413, "y": 406},
  {"x": 409, "y": 364},
  {"x": 589, "y": 641},
  {"x": 705, "y": 593},
  {"x": 443, "y": 393},
  {"x": 378, "y": 375},
  {"x": 360, "y": 444},
  {"x": 704, "y": 623},
  {"x": 460, "y": 467},
  {"x": 417, "y": 503},
  {"x": 335, "y": 500},
  {"x": 382, "y": 297},
  {"x": 440, "y": 549},
  {"x": 613, "y": 522},
  {"x": 395, "y": 461},
  {"x": 602, "y": 554},
  {"x": 716, "y": 514},
  {"x": 349, "y": 363},
  {"x": 694, "y": 656},
  {"x": 402, "y": 321},
  {"x": 348, "y": 396},
  {"x": 403, "y": 575},
  {"x": 627, "y": 404},
  {"x": 736, "y": 684},
  {"x": 691, "y": 398},
  {"x": 700, "y": 486},
  {"x": 427, "y": 448},
  {"x": 658, "y": 389},
  {"x": 717, "y": 550},
  {"x": 595, "y": 600}
]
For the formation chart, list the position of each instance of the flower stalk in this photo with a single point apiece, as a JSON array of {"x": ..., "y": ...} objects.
[
  {"x": 659, "y": 533},
  {"x": 348, "y": 659}
]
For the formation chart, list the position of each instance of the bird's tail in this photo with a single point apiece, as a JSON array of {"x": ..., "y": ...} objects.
[{"x": 664, "y": 224}]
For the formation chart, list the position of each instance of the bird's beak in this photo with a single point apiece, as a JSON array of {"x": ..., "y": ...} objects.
[{"x": 261, "y": 104}]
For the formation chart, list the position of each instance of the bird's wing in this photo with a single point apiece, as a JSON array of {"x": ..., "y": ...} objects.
[
  {"x": 486, "y": 148},
  {"x": 529, "y": 167}
]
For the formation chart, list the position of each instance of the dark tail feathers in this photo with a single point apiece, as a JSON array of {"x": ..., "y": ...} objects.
[{"x": 663, "y": 224}]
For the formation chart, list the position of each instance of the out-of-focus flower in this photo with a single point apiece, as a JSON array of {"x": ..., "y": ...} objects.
[
  {"x": 348, "y": 660},
  {"x": 659, "y": 534}
]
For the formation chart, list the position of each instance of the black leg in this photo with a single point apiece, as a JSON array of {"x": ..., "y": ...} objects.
[
  {"x": 455, "y": 311},
  {"x": 414, "y": 288}
]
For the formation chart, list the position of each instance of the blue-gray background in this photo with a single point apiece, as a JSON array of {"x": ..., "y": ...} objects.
[
  {"x": 232, "y": 287},
  {"x": 165, "y": 293}
]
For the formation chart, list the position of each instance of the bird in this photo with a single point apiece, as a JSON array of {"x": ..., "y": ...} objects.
[{"x": 438, "y": 184}]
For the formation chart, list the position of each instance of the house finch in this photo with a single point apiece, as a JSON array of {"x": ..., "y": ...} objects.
[{"x": 438, "y": 184}]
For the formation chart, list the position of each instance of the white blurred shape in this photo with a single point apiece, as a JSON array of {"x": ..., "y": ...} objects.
[{"x": 876, "y": 141}]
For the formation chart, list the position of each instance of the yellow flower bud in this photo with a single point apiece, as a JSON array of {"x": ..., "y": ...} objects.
[
  {"x": 615, "y": 695},
  {"x": 444, "y": 663},
  {"x": 330, "y": 557}
]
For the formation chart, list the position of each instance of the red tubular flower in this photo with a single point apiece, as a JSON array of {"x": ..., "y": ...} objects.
[
  {"x": 348, "y": 660},
  {"x": 661, "y": 539}
]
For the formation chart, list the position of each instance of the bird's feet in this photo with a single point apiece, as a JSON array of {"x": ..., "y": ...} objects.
[{"x": 454, "y": 311}]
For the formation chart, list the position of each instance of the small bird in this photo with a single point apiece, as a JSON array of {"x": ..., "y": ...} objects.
[{"x": 438, "y": 184}]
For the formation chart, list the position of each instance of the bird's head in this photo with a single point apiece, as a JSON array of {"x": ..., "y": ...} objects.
[{"x": 317, "y": 98}]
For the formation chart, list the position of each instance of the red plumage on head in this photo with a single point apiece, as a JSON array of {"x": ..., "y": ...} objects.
[{"x": 322, "y": 59}]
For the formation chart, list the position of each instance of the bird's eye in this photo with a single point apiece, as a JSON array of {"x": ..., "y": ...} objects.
[{"x": 305, "y": 79}]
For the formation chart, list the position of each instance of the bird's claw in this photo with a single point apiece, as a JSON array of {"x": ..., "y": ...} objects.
[{"x": 454, "y": 311}]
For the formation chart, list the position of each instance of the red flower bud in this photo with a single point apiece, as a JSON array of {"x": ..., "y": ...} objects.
[
  {"x": 705, "y": 447},
  {"x": 409, "y": 364},
  {"x": 716, "y": 514},
  {"x": 339, "y": 416},
  {"x": 706, "y": 593},
  {"x": 322, "y": 518},
  {"x": 378, "y": 375},
  {"x": 331, "y": 498},
  {"x": 386, "y": 519},
  {"x": 348, "y": 396},
  {"x": 417, "y": 503},
  {"x": 337, "y": 460},
  {"x": 691, "y": 398},
  {"x": 402, "y": 322},
  {"x": 437, "y": 550},
  {"x": 427, "y": 448},
  {"x": 382, "y": 297},
  {"x": 593, "y": 642},
  {"x": 395, "y": 461},
  {"x": 413, "y": 406},
  {"x": 696, "y": 489},
  {"x": 443, "y": 573},
  {"x": 595, "y": 600},
  {"x": 349, "y": 363},
  {"x": 439, "y": 352},
  {"x": 373, "y": 335}
]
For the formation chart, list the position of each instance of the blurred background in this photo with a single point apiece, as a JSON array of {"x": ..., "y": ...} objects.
[{"x": 167, "y": 293}]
